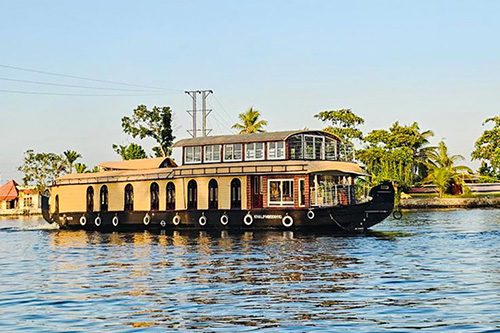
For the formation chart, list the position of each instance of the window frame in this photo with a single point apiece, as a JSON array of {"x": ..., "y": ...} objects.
[
  {"x": 276, "y": 149},
  {"x": 247, "y": 158},
  {"x": 233, "y": 159},
  {"x": 194, "y": 149},
  {"x": 154, "y": 199},
  {"x": 214, "y": 149},
  {"x": 280, "y": 203}
]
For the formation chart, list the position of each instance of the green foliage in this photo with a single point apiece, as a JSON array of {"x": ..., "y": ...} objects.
[
  {"x": 344, "y": 124},
  {"x": 80, "y": 168},
  {"x": 443, "y": 171},
  {"x": 40, "y": 169},
  {"x": 487, "y": 148},
  {"x": 132, "y": 151},
  {"x": 250, "y": 123},
  {"x": 398, "y": 154},
  {"x": 71, "y": 156},
  {"x": 155, "y": 124}
]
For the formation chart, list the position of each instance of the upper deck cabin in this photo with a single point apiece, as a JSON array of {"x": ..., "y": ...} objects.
[{"x": 268, "y": 146}]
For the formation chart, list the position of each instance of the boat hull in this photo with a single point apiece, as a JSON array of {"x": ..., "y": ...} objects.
[{"x": 341, "y": 218}]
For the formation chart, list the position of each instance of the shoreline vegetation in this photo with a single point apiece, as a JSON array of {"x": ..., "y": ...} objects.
[{"x": 401, "y": 154}]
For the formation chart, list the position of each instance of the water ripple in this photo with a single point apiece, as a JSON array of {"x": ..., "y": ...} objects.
[{"x": 432, "y": 271}]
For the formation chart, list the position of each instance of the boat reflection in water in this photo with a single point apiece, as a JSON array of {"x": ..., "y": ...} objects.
[{"x": 187, "y": 280}]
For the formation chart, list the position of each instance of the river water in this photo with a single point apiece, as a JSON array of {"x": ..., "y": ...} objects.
[{"x": 437, "y": 271}]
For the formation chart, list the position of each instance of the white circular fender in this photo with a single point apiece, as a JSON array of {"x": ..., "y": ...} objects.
[
  {"x": 310, "y": 215},
  {"x": 202, "y": 220},
  {"x": 287, "y": 221},
  {"x": 97, "y": 221},
  {"x": 224, "y": 219},
  {"x": 163, "y": 223},
  {"x": 176, "y": 219},
  {"x": 83, "y": 220},
  {"x": 147, "y": 219},
  {"x": 248, "y": 219},
  {"x": 115, "y": 221}
]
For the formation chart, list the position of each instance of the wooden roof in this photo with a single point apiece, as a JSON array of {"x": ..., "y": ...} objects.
[
  {"x": 141, "y": 164},
  {"x": 246, "y": 138}
]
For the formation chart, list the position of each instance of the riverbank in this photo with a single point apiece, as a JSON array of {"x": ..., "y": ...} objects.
[{"x": 433, "y": 203}]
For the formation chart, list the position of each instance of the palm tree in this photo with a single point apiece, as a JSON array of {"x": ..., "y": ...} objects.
[
  {"x": 80, "y": 168},
  {"x": 250, "y": 122},
  {"x": 442, "y": 169},
  {"x": 71, "y": 156}
]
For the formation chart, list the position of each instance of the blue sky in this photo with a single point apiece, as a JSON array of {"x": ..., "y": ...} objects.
[{"x": 435, "y": 62}]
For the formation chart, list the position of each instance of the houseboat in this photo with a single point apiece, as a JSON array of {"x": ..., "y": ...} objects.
[{"x": 293, "y": 180}]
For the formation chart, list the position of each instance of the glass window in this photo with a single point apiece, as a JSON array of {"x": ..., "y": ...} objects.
[
  {"x": 104, "y": 198},
  {"x": 212, "y": 153},
  {"x": 295, "y": 144},
  {"x": 170, "y": 196},
  {"x": 90, "y": 199},
  {"x": 192, "y": 154},
  {"x": 280, "y": 192},
  {"x": 233, "y": 152},
  {"x": 213, "y": 194},
  {"x": 276, "y": 150},
  {"x": 331, "y": 149},
  {"x": 155, "y": 196},
  {"x": 192, "y": 194},
  {"x": 302, "y": 192},
  {"x": 255, "y": 151},
  {"x": 235, "y": 194},
  {"x": 314, "y": 147},
  {"x": 129, "y": 198}
]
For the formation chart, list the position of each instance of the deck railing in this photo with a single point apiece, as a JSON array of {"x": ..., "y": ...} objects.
[{"x": 333, "y": 195}]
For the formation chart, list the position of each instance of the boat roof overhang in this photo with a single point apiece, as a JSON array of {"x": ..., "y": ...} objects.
[
  {"x": 139, "y": 164},
  {"x": 248, "y": 138},
  {"x": 262, "y": 168}
]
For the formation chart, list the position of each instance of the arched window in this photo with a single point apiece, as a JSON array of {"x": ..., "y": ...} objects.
[
  {"x": 213, "y": 194},
  {"x": 170, "y": 196},
  {"x": 103, "y": 198},
  {"x": 90, "y": 199},
  {"x": 155, "y": 196},
  {"x": 235, "y": 194},
  {"x": 56, "y": 210},
  {"x": 129, "y": 197},
  {"x": 192, "y": 194}
]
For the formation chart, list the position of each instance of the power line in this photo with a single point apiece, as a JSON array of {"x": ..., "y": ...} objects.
[
  {"x": 72, "y": 85},
  {"x": 223, "y": 108},
  {"x": 84, "y": 78},
  {"x": 63, "y": 94}
]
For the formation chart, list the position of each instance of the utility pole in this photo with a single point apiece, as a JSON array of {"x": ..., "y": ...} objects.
[
  {"x": 193, "y": 112},
  {"x": 204, "y": 112}
]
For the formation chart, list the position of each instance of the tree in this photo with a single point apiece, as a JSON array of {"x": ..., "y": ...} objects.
[
  {"x": 344, "y": 124},
  {"x": 442, "y": 169},
  {"x": 155, "y": 124},
  {"x": 40, "y": 169},
  {"x": 80, "y": 168},
  {"x": 396, "y": 154},
  {"x": 250, "y": 123},
  {"x": 71, "y": 156},
  {"x": 487, "y": 147},
  {"x": 132, "y": 151}
]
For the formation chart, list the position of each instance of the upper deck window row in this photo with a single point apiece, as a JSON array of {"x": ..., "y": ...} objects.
[{"x": 300, "y": 147}]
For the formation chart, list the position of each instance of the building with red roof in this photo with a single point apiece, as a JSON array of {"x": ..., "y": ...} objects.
[{"x": 18, "y": 200}]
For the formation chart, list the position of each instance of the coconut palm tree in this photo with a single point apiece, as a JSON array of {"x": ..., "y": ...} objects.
[
  {"x": 71, "y": 156},
  {"x": 442, "y": 170},
  {"x": 250, "y": 123},
  {"x": 80, "y": 168}
]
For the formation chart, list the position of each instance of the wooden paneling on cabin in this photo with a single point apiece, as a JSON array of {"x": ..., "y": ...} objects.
[{"x": 73, "y": 198}]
